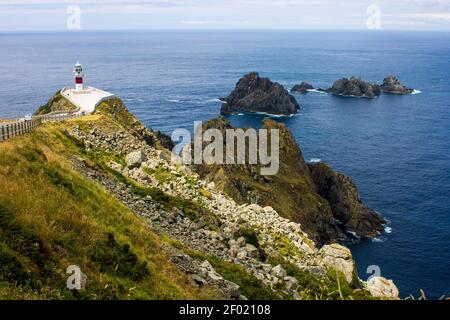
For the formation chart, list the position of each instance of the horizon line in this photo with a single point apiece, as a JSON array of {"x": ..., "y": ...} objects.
[{"x": 223, "y": 29}]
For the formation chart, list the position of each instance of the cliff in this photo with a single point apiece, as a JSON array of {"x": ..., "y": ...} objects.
[
  {"x": 101, "y": 193},
  {"x": 325, "y": 203}
]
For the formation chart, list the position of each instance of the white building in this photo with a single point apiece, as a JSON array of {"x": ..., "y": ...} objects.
[{"x": 85, "y": 98}]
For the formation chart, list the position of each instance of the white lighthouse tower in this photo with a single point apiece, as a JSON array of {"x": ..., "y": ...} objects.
[{"x": 79, "y": 77}]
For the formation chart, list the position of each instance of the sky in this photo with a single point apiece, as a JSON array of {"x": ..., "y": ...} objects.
[{"x": 70, "y": 15}]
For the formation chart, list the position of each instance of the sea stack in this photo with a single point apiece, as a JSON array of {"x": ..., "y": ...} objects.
[
  {"x": 256, "y": 94},
  {"x": 392, "y": 85},
  {"x": 303, "y": 88},
  {"x": 355, "y": 87}
]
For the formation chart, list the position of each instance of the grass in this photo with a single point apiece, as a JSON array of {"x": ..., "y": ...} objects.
[
  {"x": 160, "y": 173},
  {"x": 52, "y": 217}
]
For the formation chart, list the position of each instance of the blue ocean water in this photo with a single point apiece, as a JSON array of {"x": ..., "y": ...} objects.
[{"x": 396, "y": 148}]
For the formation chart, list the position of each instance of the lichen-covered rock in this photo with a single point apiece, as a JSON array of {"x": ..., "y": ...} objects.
[
  {"x": 382, "y": 288},
  {"x": 392, "y": 85},
  {"x": 252, "y": 251},
  {"x": 355, "y": 87},
  {"x": 256, "y": 94},
  {"x": 291, "y": 284},
  {"x": 340, "y": 258},
  {"x": 135, "y": 159},
  {"x": 279, "y": 272}
]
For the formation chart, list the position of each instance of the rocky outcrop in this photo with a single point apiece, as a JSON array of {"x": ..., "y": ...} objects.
[
  {"x": 355, "y": 87},
  {"x": 325, "y": 203},
  {"x": 56, "y": 103},
  {"x": 116, "y": 109},
  {"x": 303, "y": 87},
  {"x": 392, "y": 85},
  {"x": 382, "y": 288},
  {"x": 340, "y": 258},
  {"x": 346, "y": 205},
  {"x": 256, "y": 94}
]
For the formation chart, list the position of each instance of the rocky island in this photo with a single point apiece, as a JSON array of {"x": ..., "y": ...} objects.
[
  {"x": 303, "y": 88},
  {"x": 392, "y": 85},
  {"x": 255, "y": 94},
  {"x": 355, "y": 87}
]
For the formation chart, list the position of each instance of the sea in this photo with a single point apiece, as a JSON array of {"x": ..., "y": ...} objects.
[{"x": 395, "y": 148}]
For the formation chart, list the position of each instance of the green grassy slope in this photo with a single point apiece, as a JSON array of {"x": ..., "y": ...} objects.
[{"x": 51, "y": 217}]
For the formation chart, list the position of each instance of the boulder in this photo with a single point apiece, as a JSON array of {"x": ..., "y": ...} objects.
[
  {"x": 291, "y": 284},
  {"x": 382, "y": 288},
  {"x": 135, "y": 159},
  {"x": 279, "y": 272},
  {"x": 255, "y": 94},
  {"x": 392, "y": 85},
  {"x": 355, "y": 87},
  {"x": 303, "y": 87},
  {"x": 252, "y": 251},
  {"x": 340, "y": 258}
]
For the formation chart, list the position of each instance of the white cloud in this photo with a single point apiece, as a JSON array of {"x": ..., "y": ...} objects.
[{"x": 48, "y": 14}]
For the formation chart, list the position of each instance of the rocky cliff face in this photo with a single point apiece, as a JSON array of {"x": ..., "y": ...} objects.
[
  {"x": 325, "y": 203},
  {"x": 256, "y": 94},
  {"x": 392, "y": 85},
  {"x": 355, "y": 87},
  {"x": 345, "y": 202}
]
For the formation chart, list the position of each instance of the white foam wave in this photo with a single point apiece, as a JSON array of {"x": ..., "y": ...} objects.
[
  {"x": 378, "y": 239},
  {"x": 315, "y": 160},
  {"x": 387, "y": 229},
  {"x": 317, "y": 91},
  {"x": 214, "y": 100},
  {"x": 173, "y": 100},
  {"x": 416, "y": 92},
  {"x": 275, "y": 115}
]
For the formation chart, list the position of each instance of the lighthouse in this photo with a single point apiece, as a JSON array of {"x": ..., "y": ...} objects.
[
  {"x": 79, "y": 75},
  {"x": 85, "y": 98}
]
